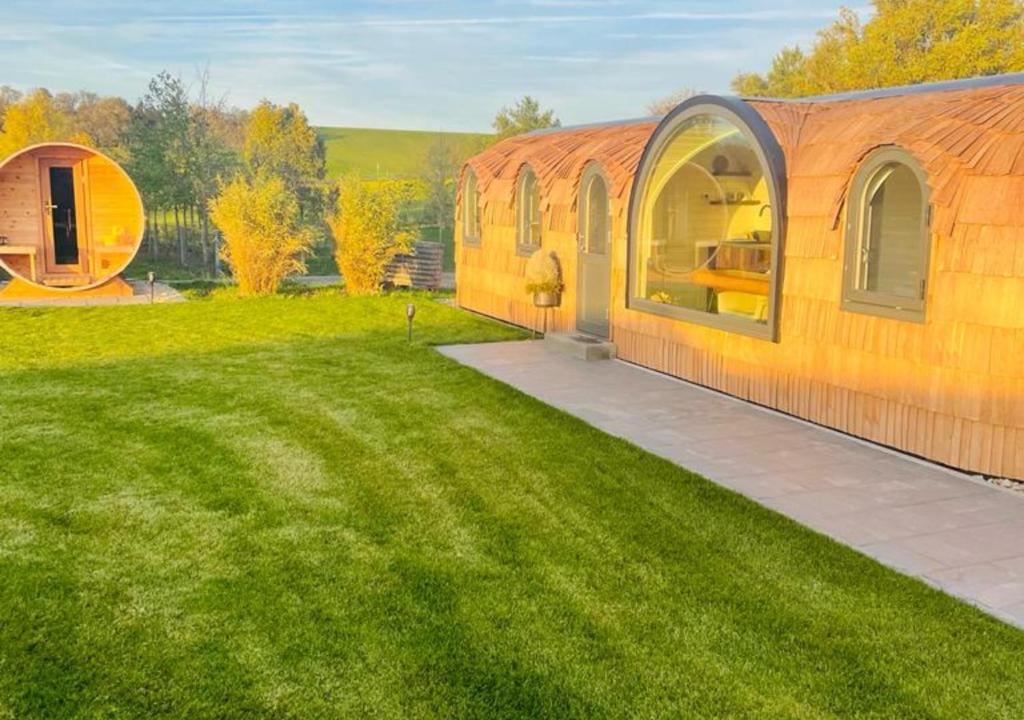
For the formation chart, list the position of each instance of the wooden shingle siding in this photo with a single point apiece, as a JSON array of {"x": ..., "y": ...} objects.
[
  {"x": 950, "y": 389},
  {"x": 489, "y": 278}
]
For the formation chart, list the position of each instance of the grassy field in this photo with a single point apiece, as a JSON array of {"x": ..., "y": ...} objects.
[
  {"x": 388, "y": 153},
  {"x": 279, "y": 508}
]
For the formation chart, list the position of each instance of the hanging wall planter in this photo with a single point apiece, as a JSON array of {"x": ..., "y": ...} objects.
[
  {"x": 547, "y": 299},
  {"x": 544, "y": 279}
]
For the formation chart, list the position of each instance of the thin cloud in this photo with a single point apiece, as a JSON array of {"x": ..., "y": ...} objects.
[
  {"x": 358, "y": 63},
  {"x": 295, "y": 22}
]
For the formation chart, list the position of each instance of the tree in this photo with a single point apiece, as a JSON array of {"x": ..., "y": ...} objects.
[
  {"x": 264, "y": 238},
  {"x": 36, "y": 118},
  {"x": 212, "y": 157},
  {"x": 439, "y": 179},
  {"x": 368, "y": 232},
  {"x": 524, "y": 116},
  {"x": 159, "y": 146},
  {"x": 8, "y": 96},
  {"x": 785, "y": 78},
  {"x": 280, "y": 140},
  {"x": 905, "y": 42},
  {"x": 104, "y": 119},
  {"x": 665, "y": 105}
]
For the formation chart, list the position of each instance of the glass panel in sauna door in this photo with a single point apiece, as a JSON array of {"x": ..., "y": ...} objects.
[
  {"x": 594, "y": 266},
  {"x": 64, "y": 252}
]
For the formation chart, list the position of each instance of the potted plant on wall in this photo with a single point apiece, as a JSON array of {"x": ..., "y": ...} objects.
[{"x": 544, "y": 279}]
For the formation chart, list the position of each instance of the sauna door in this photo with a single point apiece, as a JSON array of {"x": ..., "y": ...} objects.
[
  {"x": 593, "y": 267},
  {"x": 65, "y": 251}
]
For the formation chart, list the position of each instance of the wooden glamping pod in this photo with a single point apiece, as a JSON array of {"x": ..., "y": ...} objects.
[
  {"x": 854, "y": 260},
  {"x": 70, "y": 220}
]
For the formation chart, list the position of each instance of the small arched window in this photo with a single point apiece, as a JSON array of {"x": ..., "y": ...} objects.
[
  {"x": 594, "y": 218},
  {"x": 470, "y": 210},
  {"x": 527, "y": 212},
  {"x": 887, "y": 237}
]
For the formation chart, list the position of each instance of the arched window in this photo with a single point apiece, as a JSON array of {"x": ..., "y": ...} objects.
[
  {"x": 470, "y": 210},
  {"x": 527, "y": 212},
  {"x": 706, "y": 219},
  {"x": 594, "y": 231},
  {"x": 593, "y": 267},
  {"x": 887, "y": 237}
]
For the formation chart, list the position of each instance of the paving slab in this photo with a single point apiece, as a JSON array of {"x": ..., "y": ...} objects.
[
  {"x": 162, "y": 293},
  {"x": 952, "y": 530}
]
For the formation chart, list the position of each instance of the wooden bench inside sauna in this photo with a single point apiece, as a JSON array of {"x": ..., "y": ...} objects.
[{"x": 70, "y": 221}]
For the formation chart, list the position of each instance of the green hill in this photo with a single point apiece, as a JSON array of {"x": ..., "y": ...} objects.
[{"x": 388, "y": 153}]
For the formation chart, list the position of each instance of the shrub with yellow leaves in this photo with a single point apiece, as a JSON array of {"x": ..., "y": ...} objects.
[
  {"x": 264, "y": 237},
  {"x": 368, "y": 232}
]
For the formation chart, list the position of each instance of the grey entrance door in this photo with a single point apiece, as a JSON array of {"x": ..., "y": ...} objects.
[{"x": 594, "y": 249}]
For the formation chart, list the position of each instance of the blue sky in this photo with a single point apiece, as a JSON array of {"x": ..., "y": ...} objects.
[{"x": 405, "y": 63}]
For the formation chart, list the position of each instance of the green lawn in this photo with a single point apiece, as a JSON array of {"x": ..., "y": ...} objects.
[
  {"x": 389, "y": 153},
  {"x": 279, "y": 508}
]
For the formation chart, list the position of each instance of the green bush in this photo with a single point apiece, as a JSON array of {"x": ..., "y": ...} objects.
[
  {"x": 264, "y": 237},
  {"x": 368, "y": 231}
]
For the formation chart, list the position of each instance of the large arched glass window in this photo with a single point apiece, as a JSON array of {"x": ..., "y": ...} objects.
[
  {"x": 470, "y": 210},
  {"x": 527, "y": 212},
  {"x": 706, "y": 219},
  {"x": 887, "y": 237}
]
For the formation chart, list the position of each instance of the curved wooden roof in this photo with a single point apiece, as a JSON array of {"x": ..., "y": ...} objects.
[
  {"x": 969, "y": 140},
  {"x": 558, "y": 157},
  {"x": 968, "y": 137}
]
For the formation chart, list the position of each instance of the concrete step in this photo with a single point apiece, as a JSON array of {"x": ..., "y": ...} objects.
[{"x": 578, "y": 345}]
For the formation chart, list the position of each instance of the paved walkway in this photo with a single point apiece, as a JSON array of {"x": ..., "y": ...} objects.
[
  {"x": 955, "y": 532},
  {"x": 161, "y": 294}
]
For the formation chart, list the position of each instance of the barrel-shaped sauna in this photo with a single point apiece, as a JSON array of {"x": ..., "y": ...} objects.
[
  {"x": 854, "y": 260},
  {"x": 70, "y": 217}
]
